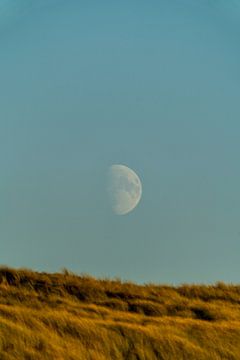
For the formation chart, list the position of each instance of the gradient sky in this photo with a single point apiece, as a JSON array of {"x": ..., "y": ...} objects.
[{"x": 154, "y": 85}]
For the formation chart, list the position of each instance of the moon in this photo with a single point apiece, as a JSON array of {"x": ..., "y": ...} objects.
[{"x": 124, "y": 188}]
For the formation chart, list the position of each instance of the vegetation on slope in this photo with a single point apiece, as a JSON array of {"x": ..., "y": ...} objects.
[{"x": 65, "y": 316}]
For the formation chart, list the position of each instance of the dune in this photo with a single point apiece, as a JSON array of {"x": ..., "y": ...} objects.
[{"x": 67, "y": 316}]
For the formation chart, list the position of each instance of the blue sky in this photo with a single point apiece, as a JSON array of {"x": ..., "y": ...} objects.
[{"x": 154, "y": 85}]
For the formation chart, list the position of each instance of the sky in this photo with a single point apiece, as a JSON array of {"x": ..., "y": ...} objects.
[{"x": 154, "y": 85}]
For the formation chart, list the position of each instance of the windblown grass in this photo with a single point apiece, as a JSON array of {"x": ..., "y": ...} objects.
[{"x": 65, "y": 316}]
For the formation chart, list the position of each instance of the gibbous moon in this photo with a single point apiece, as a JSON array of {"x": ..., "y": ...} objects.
[{"x": 124, "y": 188}]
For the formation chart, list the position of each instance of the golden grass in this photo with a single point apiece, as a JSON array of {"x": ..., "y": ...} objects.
[{"x": 66, "y": 317}]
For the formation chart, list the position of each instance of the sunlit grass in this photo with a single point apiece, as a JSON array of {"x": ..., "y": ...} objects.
[{"x": 65, "y": 316}]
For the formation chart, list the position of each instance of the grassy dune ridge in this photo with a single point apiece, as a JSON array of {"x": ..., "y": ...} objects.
[{"x": 66, "y": 316}]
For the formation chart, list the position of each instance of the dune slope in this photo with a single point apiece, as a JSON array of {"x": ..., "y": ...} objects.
[{"x": 65, "y": 316}]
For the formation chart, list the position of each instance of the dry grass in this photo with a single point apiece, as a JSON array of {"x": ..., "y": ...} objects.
[{"x": 65, "y": 316}]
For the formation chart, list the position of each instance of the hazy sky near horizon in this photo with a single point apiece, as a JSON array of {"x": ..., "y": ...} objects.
[{"x": 154, "y": 85}]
